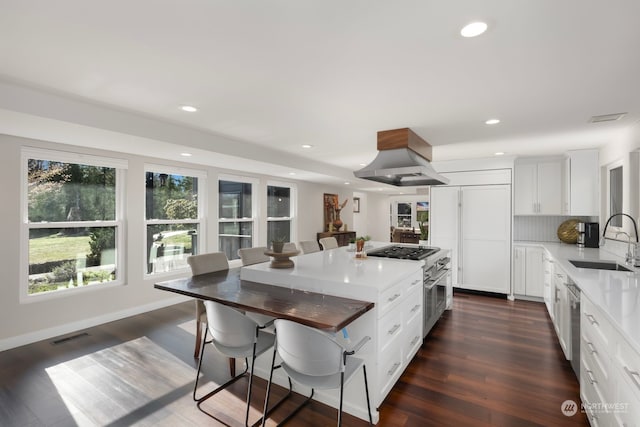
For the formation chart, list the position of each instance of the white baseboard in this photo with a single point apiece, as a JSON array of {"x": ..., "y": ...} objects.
[{"x": 67, "y": 328}]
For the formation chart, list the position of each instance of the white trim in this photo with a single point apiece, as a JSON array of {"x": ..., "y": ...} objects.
[
  {"x": 120, "y": 167},
  {"x": 175, "y": 170},
  {"x": 67, "y": 328},
  {"x": 72, "y": 157}
]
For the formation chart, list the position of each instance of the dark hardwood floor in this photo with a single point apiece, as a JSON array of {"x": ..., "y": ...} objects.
[{"x": 489, "y": 362}]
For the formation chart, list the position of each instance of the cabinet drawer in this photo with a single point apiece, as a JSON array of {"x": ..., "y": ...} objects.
[
  {"x": 628, "y": 361},
  {"x": 595, "y": 365},
  {"x": 593, "y": 320},
  {"x": 412, "y": 311},
  {"x": 391, "y": 297},
  {"x": 389, "y": 369},
  {"x": 593, "y": 400},
  {"x": 390, "y": 327},
  {"x": 412, "y": 340}
]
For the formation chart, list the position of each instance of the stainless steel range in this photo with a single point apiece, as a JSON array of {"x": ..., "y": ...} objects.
[
  {"x": 436, "y": 279},
  {"x": 415, "y": 253}
]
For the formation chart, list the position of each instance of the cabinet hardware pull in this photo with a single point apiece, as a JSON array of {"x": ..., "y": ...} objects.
[
  {"x": 394, "y": 297},
  {"x": 592, "y": 380},
  {"x": 414, "y": 340},
  {"x": 393, "y": 368},
  {"x": 394, "y": 329},
  {"x": 415, "y": 282},
  {"x": 415, "y": 308},
  {"x": 592, "y": 319},
  {"x": 591, "y": 347},
  {"x": 634, "y": 376}
]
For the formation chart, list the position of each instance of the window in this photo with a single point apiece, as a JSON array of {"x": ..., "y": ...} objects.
[
  {"x": 279, "y": 212},
  {"x": 173, "y": 216},
  {"x": 404, "y": 215},
  {"x": 236, "y": 224},
  {"x": 72, "y": 226}
]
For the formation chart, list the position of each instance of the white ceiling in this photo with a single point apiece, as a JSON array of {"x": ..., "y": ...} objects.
[{"x": 273, "y": 75}]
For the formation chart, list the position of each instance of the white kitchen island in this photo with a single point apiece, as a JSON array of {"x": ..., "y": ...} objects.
[{"x": 394, "y": 324}]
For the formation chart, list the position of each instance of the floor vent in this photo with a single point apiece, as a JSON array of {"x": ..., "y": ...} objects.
[
  {"x": 69, "y": 338},
  {"x": 607, "y": 118}
]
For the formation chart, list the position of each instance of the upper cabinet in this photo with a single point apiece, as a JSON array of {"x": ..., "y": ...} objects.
[
  {"x": 582, "y": 183},
  {"x": 538, "y": 186}
]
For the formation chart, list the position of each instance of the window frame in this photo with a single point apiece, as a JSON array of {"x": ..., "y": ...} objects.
[
  {"x": 120, "y": 166},
  {"x": 293, "y": 207},
  {"x": 255, "y": 208},
  {"x": 201, "y": 175}
]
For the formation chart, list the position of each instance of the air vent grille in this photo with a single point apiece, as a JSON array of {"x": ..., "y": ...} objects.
[
  {"x": 607, "y": 118},
  {"x": 69, "y": 338}
]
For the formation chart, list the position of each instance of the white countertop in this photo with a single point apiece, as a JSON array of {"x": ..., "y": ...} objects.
[
  {"x": 617, "y": 293},
  {"x": 336, "y": 272}
]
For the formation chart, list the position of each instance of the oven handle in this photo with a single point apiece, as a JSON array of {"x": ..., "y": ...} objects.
[{"x": 435, "y": 281}]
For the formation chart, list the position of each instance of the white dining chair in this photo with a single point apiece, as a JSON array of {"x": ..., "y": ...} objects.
[
  {"x": 315, "y": 359},
  {"x": 237, "y": 336},
  {"x": 254, "y": 255},
  {"x": 309, "y": 246},
  {"x": 328, "y": 243},
  {"x": 202, "y": 264}
]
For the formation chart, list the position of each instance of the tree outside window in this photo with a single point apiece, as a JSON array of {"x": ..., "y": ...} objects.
[
  {"x": 72, "y": 221},
  {"x": 172, "y": 220}
]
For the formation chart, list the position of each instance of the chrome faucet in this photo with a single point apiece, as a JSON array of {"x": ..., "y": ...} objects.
[{"x": 633, "y": 257}]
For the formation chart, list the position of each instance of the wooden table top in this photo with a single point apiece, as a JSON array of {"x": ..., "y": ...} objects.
[{"x": 309, "y": 308}]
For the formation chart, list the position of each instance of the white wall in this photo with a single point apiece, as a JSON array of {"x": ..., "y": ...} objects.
[{"x": 24, "y": 323}]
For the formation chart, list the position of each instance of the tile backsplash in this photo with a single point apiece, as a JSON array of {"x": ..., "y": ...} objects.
[{"x": 541, "y": 228}]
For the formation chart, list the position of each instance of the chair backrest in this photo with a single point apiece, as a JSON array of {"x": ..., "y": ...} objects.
[
  {"x": 309, "y": 246},
  {"x": 228, "y": 326},
  {"x": 328, "y": 243},
  {"x": 289, "y": 247},
  {"x": 307, "y": 350},
  {"x": 208, "y": 263},
  {"x": 253, "y": 255}
]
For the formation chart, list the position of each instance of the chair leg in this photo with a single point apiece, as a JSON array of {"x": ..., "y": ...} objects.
[
  {"x": 366, "y": 390},
  {"x": 266, "y": 411}
]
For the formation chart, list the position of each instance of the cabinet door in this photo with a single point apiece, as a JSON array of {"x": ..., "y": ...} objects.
[
  {"x": 519, "y": 270},
  {"x": 525, "y": 183},
  {"x": 584, "y": 183},
  {"x": 486, "y": 238},
  {"x": 534, "y": 272},
  {"x": 444, "y": 223},
  {"x": 549, "y": 182}
]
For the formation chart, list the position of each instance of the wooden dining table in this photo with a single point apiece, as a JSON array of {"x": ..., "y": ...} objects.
[{"x": 317, "y": 310}]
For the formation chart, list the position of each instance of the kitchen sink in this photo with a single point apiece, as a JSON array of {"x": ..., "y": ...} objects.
[{"x": 599, "y": 265}]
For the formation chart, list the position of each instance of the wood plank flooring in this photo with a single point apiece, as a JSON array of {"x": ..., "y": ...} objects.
[{"x": 489, "y": 362}]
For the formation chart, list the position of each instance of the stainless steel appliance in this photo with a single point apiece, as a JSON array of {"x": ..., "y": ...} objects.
[
  {"x": 591, "y": 235},
  {"x": 437, "y": 278},
  {"x": 415, "y": 253},
  {"x": 573, "y": 293},
  {"x": 580, "y": 229}
]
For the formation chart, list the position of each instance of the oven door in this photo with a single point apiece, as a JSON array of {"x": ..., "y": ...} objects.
[{"x": 435, "y": 299}]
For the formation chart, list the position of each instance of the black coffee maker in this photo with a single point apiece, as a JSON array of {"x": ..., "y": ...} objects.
[{"x": 591, "y": 235}]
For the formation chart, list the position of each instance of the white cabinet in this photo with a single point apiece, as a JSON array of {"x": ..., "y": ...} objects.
[
  {"x": 538, "y": 187},
  {"x": 399, "y": 331},
  {"x": 562, "y": 314},
  {"x": 528, "y": 269},
  {"x": 582, "y": 183},
  {"x": 475, "y": 223},
  {"x": 549, "y": 286}
]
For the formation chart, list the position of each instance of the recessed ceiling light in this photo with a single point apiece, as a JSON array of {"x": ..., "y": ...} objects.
[
  {"x": 189, "y": 108},
  {"x": 492, "y": 121},
  {"x": 306, "y": 146},
  {"x": 473, "y": 29},
  {"x": 499, "y": 153},
  {"x": 347, "y": 183},
  {"x": 186, "y": 154},
  {"x": 292, "y": 173},
  {"x": 363, "y": 164}
]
